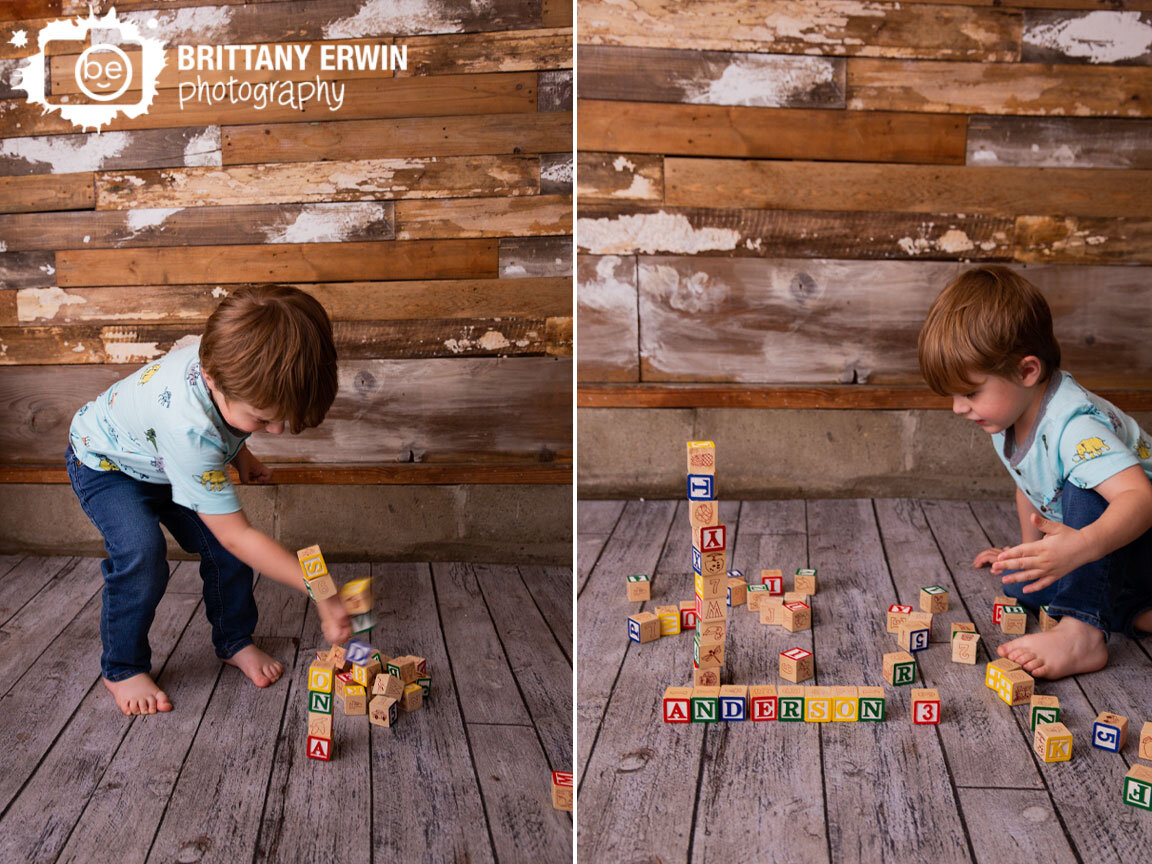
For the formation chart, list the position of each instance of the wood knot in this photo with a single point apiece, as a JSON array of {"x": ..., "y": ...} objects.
[{"x": 635, "y": 761}]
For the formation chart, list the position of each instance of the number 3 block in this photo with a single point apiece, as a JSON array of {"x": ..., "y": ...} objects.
[{"x": 926, "y": 707}]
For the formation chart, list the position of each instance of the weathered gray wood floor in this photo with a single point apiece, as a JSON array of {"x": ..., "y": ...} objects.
[
  {"x": 224, "y": 778},
  {"x": 967, "y": 790}
]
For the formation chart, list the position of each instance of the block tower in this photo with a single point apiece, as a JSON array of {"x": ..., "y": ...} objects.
[{"x": 709, "y": 565}]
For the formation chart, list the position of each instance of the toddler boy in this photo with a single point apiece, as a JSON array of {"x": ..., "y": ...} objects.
[
  {"x": 1081, "y": 468},
  {"x": 152, "y": 450}
]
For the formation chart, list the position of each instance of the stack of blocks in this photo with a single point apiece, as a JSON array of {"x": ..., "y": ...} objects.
[
  {"x": 1010, "y": 681},
  {"x": 709, "y": 567},
  {"x": 320, "y": 675},
  {"x": 316, "y": 578},
  {"x": 778, "y": 608},
  {"x": 762, "y": 702}
]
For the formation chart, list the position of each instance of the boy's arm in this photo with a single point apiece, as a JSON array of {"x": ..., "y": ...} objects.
[
  {"x": 262, "y": 553},
  {"x": 1063, "y": 549}
]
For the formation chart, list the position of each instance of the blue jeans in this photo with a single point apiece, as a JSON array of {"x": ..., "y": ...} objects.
[
  {"x": 1108, "y": 593},
  {"x": 128, "y": 513}
]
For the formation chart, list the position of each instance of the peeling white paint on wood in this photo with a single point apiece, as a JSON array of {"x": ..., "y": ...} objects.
[
  {"x": 131, "y": 352},
  {"x": 622, "y": 163},
  {"x": 204, "y": 149},
  {"x": 66, "y": 154},
  {"x": 557, "y": 172},
  {"x": 642, "y": 188},
  {"x": 219, "y": 291},
  {"x": 148, "y": 217},
  {"x": 386, "y": 17},
  {"x": 1098, "y": 37},
  {"x": 650, "y": 233},
  {"x": 199, "y": 24},
  {"x": 42, "y": 304},
  {"x": 761, "y": 80},
  {"x": 327, "y": 223},
  {"x": 606, "y": 292}
]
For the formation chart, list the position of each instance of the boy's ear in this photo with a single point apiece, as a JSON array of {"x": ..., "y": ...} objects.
[{"x": 1030, "y": 369}]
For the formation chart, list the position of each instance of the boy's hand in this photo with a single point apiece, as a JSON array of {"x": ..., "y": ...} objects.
[
  {"x": 988, "y": 556},
  {"x": 251, "y": 469},
  {"x": 1059, "y": 552},
  {"x": 334, "y": 620}
]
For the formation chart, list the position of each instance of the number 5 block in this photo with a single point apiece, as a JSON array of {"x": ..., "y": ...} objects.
[{"x": 1110, "y": 732}]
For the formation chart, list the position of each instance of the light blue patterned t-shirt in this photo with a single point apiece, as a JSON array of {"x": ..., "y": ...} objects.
[
  {"x": 159, "y": 425},
  {"x": 1077, "y": 438}
]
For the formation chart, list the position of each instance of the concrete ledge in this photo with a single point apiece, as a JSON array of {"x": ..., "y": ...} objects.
[{"x": 520, "y": 524}]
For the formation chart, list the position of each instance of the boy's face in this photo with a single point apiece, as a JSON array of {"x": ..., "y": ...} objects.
[
  {"x": 994, "y": 403},
  {"x": 242, "y": 416}
]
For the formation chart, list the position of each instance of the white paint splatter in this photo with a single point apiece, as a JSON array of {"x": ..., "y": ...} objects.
[
  {"x": 326, "y": 223},
  {"x": 611, "y": 290},
  {"x": 66, "y": 154},
  {"x": 204, "y": 149},
  {"x": 3, "y": 246},
  {"x": 651, "y": 232},
  {"x": 47, "y": 268},
  {"x": 762, "y": 80},
  {"x": 87, "y": 238},
  {"x": 641, "y": 189},
  {"x": 954, "y": 240},
  {"x": 79, "y": 347},
  {"x": 130, "y": 352},
  {"x": 148, "y": 217},
  {"x": 42, "y": 304},
  {"x": 201, "y": 24},
  {"x": 557, "y": 172},
  {"x": 623, "y": 162},
  {"x": 386, "y": 17},
  {"x": 1098, "y": 37},
  {"x": 984, "y": 156},
  {"x": 691, "y": 294},
  {"x": 818, "y": 24},
  {"x": 219, "y": 291},
  {"x": 513, "y": 270},
  {"x": 1096, "y": 240},
  {"x": 493, "y": 340}
]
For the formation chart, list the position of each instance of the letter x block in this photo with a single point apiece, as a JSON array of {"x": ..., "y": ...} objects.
[
  {"x": 899, "y": 668},
  {"x": 639, "y": 588},
  {"x": 705, "y": 704},
  {"x": 1138, "y": 787},
  {"x": 734, "y": 702},
  {"x": 1043, "y": 709},
  {"x": 1052, "y": 742},
  {"x": 643, "y": 627},
  {"x": 677, "y": 704},
  {"x": 1109, "y": 732},
  {"x": 926, "y": 707},
  {"x": 762, "y": 701},
  {"x": 797, "y": 665}
]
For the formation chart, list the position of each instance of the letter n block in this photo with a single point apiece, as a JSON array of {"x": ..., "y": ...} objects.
[
  {"x": 899, "y": 668},
  {"x": 1043, "y": 709},
  {"x": 677, "y": 704},
  {"x": 872, "y": 704},
  {"x": 1052, "y": 742},
  {"x": 319, "y": 703},
  {"x": 926, "y": 707},
  {"x": 734, "y": 702},
  {"x": 762, "y": 702},
  {"x": 1138, "y": 787},
  {"x": 1109, "y": 732},
  {"x": 705, "y": 704}
]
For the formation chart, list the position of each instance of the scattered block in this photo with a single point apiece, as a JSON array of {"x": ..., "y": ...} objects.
[
  {"x": 342, "y": 682},
  {"x": 924, "y": 619},
  {"x": 687, "y": 615},
  {"x": 425, "y": 683},
  {"x": 1013, "y": 619},
  {"x": 383, "y": 710},
  {"x": 845, "y": 704},
  {"x": 736, "y": 574},
  {"x": 961, "y": 627},
  {"x": 407, "y": 667},
  {"x": 366, "y": 673},
  {"x": 319, "y": 703},
  {"x": 562, "y": 790},
  {"x": 762, "y": 702},
  {"x": 701, "y": 457},
  {"x": 639, "y": 588},
  {"x": 711, "y": 538},
  {"x": 964, "y": 646},
  {"x": 357, "y": 651},
  {"x": 706, "y": 676},
  {"x": 899, "y": 668},
  {"x": 677, "y": 704},
  {"x": 643, "y": 627},
  {"x": 797, "y": 665},
  {"x": 926, "y": 707},
  {"x": 737, "y": 592},
  {"x": 1016, "y": 688},
  {"x": 817, "y": 704},
  {"x": 871, "y": 704},
  {"x": 319, "y": 748},
  {"x": 734, "y": 702},
  {"x": 997, "y": 669},
  {"x": 321, "y": 588},
  {"x": 319, "y": 725},
  {"x": 413, "y": 699},
  {"x": 795, "y": 597},
  {"x": 355, "y": 699},
  {"x": 772, "y": 611},
  {"x": 312, "y": 563},
  {"x": 796, "y": 617},
  {"x": 388, "y": 685},
  {"x": 790, "y": 703},
  {"x": 998, "y": 604},
  {"x": 755, "y": 594},
  {"x": 363, "y": 623},
  {"x": 1138, "y": 787},
  {"x": 357, "y": 596},
  {"x": 934, "y": 599},
  {"x": 1110, "y": 732},
  {"x": 669, "y": 620},
  {"x": 1052, "y": 742},
  {"x": 1047, "y": 622},
  {"x": 705, "y": 704},
  {"x": 912, "y": 636},
  {"x": 1145, "y": 751},
  {"x": 774, "y": 581},
  {"x": 1043, "y": 709},
  {"x": 320, "y": 677},
  {"x": 897, "y": 615},
  {"x": 805, "y": 581},
  {"x": 337, "y": 657}
]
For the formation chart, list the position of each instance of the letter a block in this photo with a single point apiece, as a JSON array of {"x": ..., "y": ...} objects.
[
  {"x": 319, "y": 748},
  {"x": 1109, "y": 732},
  {"x": 762, "y": 701},
  {"x": 926, "y": 707},
  {"x": 797, "y": 665},
  {"x": 705, "y": 704},
  {"x": 899, "y": 668},
  {"x": 677, "y": 704},
  {"x": 639, "y": 588},
  {"x": 1138, "y": 787},
  {"x": 1043, "y": 709},
  {"x": 734, "y": 702},
  {"x": 1053, "y": 742}
]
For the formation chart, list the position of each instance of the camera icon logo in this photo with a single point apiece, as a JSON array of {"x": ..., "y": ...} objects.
[{"x": 113, "y": 76}]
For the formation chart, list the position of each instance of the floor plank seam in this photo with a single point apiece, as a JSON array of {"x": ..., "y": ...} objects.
[
  {"x": 37, "y": 593},
  {"x": 600, "y": 554},
  {"x": 544, "y": 618},
  {"x": 280, "y": 731}
]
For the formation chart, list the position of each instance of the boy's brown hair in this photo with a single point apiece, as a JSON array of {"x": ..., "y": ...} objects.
[
  {"x": 272, "y": 347},
  {"x": 986, "y": 321}
]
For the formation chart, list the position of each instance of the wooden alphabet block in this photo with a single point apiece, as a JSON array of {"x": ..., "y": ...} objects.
[
  {"x": 737, "y": 592},
  {"x": 366, "y": 673},
  {"x": 997, "y": 669},
  {"x": 705, "y": 704},
  {"x": 934, "y": 599},
  {"x": 795, "y": 597},
  {"x": 772, "y": 611},
  {"x": 1043, "y": 709},
  {"x": 762, "y": 702},
  {"x": 1013, "y": 619},
  {"x": 357, "y": 651},
  {"x": 421, "y": 665},
  {"x": 734, "y": 702},
  {"x": 1052, "y": 742},
  {"x": 355, "y": 699},
  {"x": 924, "y": 619},
  {"x": 406, "y": 667},
  {"x": 320, "y": 677},
  {"x": 425, "y": 683},
  {"x": 342, "y": 682},
  {"x": 817, "y": 704},
  {"x": 790, "y": 703},
  {"x": 804, "y": 582},
  {"x": 687, "y": 615},
  {"x": 383, "y": 710},
  {"x": 701, "y": 487},
  {"x": 1138, "y": 787},
  {"x": 872, "y": 704},
  {"x": 643, "y": 627},
  {"x": 639, "y": 588},
  {"x": 998, "y": 604},
  {"x": 912, "y": 636},
  {"x": 1016, "y": 688},
  {"x": 774, "y": 581},
  {"x": 321, "y": 588},
  {"x": 1145, "y": 751},
  {"x": 796, "y": 617},
  {"x": 677, "y": 704},
  {"x": 319, "y": 703},
  {"x": 961, "y": 627},
  {"x": 711, "y": 538},
  {"x": 713, "y": 564},
  {"x": 388, "y": 685},
  {"x": 1110, "y": 732},
  {"x": 899, "y": 668},
  {"x": 797, "y": 665},
  {"x": 926, "y": 707},
  {"x": 312, "y": 563},
  {"x": 711, "y": 587},
  {"x": 320, "y": 748},
  {"x": 357, "y": 596},
  {"x": 706, "y": 676},
  {"x": 702, "y": 513},
  {"x": 319, "y": 725},
  {"x": 669, "y": 620},
  {"x": 1047, "y": 622},
  {"x": 897, "y": 615},
  {"x": 707, "y": 652},
  {"x": 701, "y": 457},
  {"x": 562, "y": 790},
  {"x": 755, "y": 594},
  {"x": 964, "y": 648},
  {"x": 736, "y": 574},
  {"x": 336, "y": 656},
  {"x": 363, "y": 623},
  {"x": 710, "y": 610},
  {"x": 845, "y": 704},
  {"x": 413, "y": 698},
  {"x": 712, "y": 631}
]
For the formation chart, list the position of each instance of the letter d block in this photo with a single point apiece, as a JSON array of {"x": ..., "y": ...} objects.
[
  {"x": 734, "y": 702},
  {"x": 1138, "y": 787},
  {"x": 677, "y": 705},
  {"x": 1052, "y": 742},
  {"x": 1110, "y": 732}
]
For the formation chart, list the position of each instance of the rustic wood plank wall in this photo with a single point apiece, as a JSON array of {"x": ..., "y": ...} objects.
[
  {"x": 772, "y": 193},
  {"x": 430, "y": 214}
]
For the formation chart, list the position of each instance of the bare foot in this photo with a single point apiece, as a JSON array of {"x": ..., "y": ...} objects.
[
  {"x": 1069, "y": 648},
  {"x": 138, "y": 695},
  {"x": 1143, "y": 621},
  {"x": 258, "y": 666}
]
